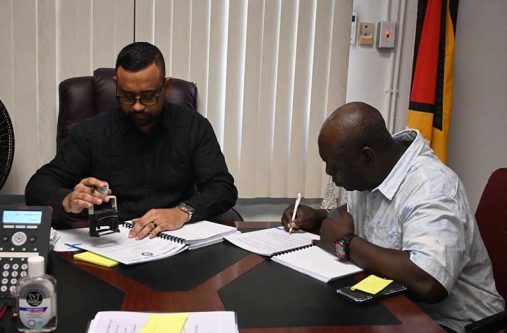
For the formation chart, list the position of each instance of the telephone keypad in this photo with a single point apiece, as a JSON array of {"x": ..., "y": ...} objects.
[{"x": 13, "y": 270}]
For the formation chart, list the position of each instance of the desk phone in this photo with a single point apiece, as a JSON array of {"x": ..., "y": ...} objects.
[{"x": 24, "y": 232}]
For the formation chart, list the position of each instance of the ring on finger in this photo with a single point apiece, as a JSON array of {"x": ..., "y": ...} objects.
[{"x": 154, "y": 224}]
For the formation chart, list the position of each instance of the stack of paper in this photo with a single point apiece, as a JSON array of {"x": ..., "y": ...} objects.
[{"x": 140, "y": 322}]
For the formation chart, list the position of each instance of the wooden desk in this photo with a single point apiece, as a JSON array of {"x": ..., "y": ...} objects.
[{"x": 205, "y": 297}]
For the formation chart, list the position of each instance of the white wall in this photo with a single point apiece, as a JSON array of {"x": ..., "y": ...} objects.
[
  {"x": 370, "y": 76},
  {"x": 478, "y": 132}
]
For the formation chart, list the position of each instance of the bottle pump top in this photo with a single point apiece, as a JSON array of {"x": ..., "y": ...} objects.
[{"x": 35, "y": 266}]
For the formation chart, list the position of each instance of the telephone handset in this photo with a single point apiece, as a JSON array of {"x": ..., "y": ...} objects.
[{"x": 24, "y": 232}]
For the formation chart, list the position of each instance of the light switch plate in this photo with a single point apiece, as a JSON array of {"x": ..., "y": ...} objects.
[
  {"x": 366, "y": 33},
  {"x": 386, "y": 33}
]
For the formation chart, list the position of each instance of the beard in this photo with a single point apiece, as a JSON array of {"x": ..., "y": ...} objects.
[{"x": 142, "y": 118}]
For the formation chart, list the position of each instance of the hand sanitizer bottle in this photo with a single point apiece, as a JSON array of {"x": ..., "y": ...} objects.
[{"x": 36, "y": 299}]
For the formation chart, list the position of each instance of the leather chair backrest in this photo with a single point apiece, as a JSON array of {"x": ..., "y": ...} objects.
[
  {"x": 491, "y": 217},
  {"x": 86, "y": 96}
]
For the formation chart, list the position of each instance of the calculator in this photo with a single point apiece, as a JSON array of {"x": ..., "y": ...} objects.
[{"x": 24, "y": 232}]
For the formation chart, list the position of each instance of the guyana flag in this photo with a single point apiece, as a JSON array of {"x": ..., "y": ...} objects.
[{"x": 431, "y": 93}]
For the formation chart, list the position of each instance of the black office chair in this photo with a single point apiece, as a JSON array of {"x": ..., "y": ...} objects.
[
  {"x": 6, "y": 144},
  {"x": 86, "y": 96},
  {"x": 491, "y": 218}
]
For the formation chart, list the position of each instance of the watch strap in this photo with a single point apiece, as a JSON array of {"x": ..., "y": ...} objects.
[
  {"x": 187, "y": 209},
  {"x": 344, "y": 242}
]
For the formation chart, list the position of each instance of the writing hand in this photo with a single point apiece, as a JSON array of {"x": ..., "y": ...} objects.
[
  {"x": 157, "y": 220},
  {"x": 85, "y": 195},
  {"x": 307, "y": 218}
]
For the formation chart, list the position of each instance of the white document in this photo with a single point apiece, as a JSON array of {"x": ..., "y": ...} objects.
[
  {"x": 268, "y": 242},
  {"x": 118, "y": 246},
  {"x": 135, "y": 322},
  {"x": 60, "y": 239},
  {"x": 317, "y": 263}
]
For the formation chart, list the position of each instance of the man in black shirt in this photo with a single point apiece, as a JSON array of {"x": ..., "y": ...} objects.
[{"x": 162, "y": 161}]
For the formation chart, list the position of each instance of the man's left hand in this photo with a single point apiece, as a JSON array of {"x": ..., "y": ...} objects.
[
  {"x": 157, "y": 220},
  {"x": 332, "y": 229}
]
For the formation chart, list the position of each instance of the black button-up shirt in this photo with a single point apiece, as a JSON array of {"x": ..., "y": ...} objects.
[{"x": 180, "y": 160}]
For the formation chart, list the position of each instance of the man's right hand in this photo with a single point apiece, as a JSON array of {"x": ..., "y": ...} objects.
[
  {"x": 307, "y": 218},
  {"x": 84, "y": 195}
]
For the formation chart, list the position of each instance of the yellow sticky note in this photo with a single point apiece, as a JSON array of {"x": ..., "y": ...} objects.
[
  {"x": 95, "y": 259},
  {"x": 165, "y": 323},
  {"x": 372, "y": 284}
]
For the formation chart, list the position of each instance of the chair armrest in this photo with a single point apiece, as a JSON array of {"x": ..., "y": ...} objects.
[{"x": 494, "y": 323}]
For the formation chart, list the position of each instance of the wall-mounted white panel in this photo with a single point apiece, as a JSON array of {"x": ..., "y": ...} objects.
[{"x": 478, "y": 130}]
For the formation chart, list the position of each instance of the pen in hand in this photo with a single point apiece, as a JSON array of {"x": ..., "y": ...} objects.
[{"x": 296, "y": 205}]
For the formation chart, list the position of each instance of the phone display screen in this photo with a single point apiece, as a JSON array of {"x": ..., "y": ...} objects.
[{"x": 21, "y": 217}]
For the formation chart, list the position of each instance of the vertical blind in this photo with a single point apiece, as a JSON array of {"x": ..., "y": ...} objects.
[{"x": 268, "y": 74}]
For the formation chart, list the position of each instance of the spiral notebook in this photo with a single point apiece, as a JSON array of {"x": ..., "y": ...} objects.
[
  {"x": 317, "y": 263},
  {"x": 269, "y": 242},
  {"x": 118, "y": 246}
]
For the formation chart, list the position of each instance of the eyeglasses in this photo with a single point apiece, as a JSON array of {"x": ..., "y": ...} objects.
[{"x": 146, "y": 101}]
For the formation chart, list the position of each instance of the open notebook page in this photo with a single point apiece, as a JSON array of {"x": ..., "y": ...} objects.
[
  {"x": 317, "y": 263},
  {"x": 267, "y": 242}
]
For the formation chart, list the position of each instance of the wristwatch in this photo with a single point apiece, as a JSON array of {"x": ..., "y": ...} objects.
[
  {"x": 342, "y": 246},
  {"x": 187, "y": 209}
]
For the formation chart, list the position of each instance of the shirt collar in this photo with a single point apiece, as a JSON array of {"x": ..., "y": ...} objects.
[{"x": 390, "y": 185}]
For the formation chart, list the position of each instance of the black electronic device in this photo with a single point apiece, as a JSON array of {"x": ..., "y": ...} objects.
[
  {"x": 358, "y": 296},
  {"x": 24, "y": 232}
]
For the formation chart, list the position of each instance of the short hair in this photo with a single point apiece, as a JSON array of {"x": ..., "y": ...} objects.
[
  {"x": 360, "y": 125},
  {"x": 139, "y": 55}
]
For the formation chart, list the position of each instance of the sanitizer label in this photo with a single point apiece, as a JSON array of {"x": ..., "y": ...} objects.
[{"x": 35, "y": 310}]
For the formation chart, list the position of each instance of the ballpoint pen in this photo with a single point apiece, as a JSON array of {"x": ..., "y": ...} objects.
[{"x": 296, "y": 205}]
